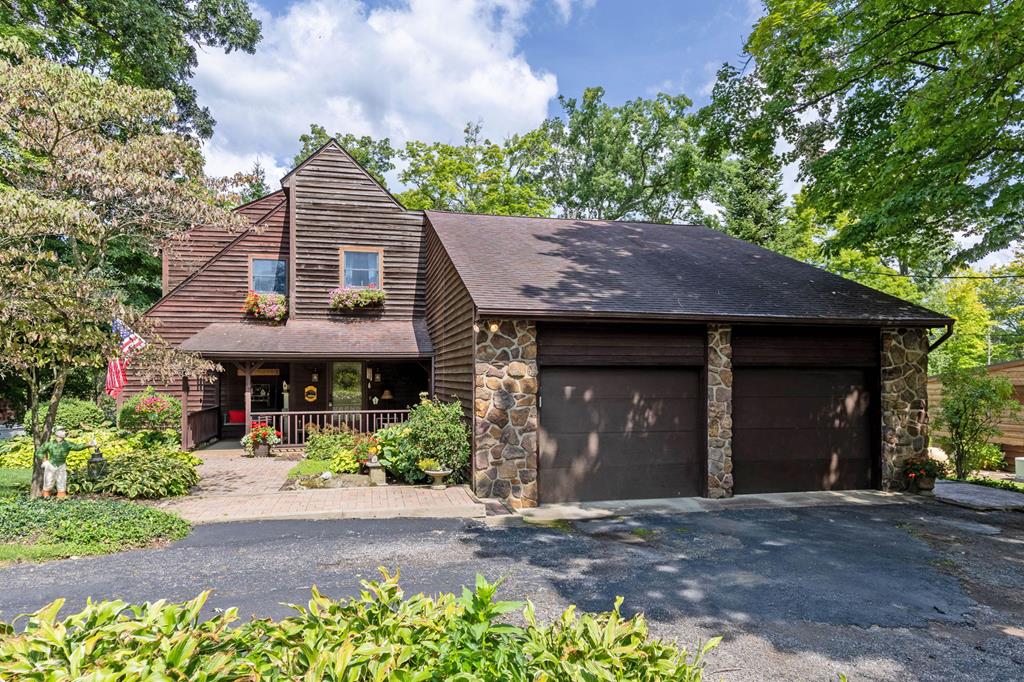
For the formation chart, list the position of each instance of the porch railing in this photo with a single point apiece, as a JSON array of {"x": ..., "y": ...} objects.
[
  {"x": 294, "y": 425},
  {"x": 202, "y": 426}
]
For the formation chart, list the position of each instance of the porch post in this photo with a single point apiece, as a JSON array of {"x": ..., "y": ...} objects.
[
  {"x": 247, "y": 370},
  {"x": 186, "y": 436}
]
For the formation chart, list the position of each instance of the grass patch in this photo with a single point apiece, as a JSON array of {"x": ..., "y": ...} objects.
[
  {"x": 1002, "y": 484},
  {"x": 36, "y": 530},
  {"x": 644, "y": 533},
  {"x": 309, "y": 467},
  {"x": 557, "y": 524},
  {"x": 14, "y": 482}
]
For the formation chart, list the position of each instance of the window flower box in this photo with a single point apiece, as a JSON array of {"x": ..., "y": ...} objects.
[
  {"x": 270, "y": 307},
  {"x": 351, "y": 298}
]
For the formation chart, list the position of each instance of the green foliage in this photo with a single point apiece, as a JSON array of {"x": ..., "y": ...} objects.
[
  {"x": 145, "y": 43},
  {"x": 905, "y": 117},
  {"x": 345, "y": 461},
  {"x": 399, "y": 453},
  {"x": 150, "y": 410},
  {"x": 375, "y": 156},
  {"x": 19, "y": 452},
  {"x": 429, "y": 464},
  {"x": 73, "y": 413},
  {"x": 438, "y": 430},
  {"x": 753, "y": 205},
  {"x": 1012, "y": 486},
  {"x": 141, "y": 475},
  {"x": 478, "y": 176},
  {"x": 968, "y": 346},
  {"x": 1004, "y": 299},
  {"x": 379, "y": 635},
  {"x": 973, "y": 405},
  {"x": 14, "y": 482},
  {"x": 636, "y": 161},
  {"x": 989, "y": 457},
  {"x": 326, "y": 443},
  {"x": 254, "y": 185},
  {"x": 309, "y": 467},
  {"x": 73, "y": 527}
]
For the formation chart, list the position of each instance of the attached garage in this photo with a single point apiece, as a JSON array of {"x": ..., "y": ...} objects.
[
  {"x": 621, "y": 413},
  {"x": 805, "y": 409}
]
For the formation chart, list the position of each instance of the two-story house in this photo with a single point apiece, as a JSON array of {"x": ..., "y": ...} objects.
[{"x": 594, "y": 359}]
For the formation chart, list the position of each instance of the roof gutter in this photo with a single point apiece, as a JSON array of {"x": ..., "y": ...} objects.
[{"x": 942, "y": 339}]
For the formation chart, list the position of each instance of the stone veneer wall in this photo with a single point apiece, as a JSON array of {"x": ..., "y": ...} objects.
[
  {"x": 505, "y": 412},
  {"x": 904, "y": 401},
  {"x": 719, "y": 411}
]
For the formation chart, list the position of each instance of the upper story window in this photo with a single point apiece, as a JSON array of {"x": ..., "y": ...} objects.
[
  {"x": 361, "y": 267},
  {"x": 268, "y": 275}
]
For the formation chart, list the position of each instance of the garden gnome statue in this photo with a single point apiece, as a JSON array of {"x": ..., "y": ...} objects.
[{"x": 54, "y": 454}]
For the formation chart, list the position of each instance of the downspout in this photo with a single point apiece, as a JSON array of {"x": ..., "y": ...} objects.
[{"x": 942, "y": 339}]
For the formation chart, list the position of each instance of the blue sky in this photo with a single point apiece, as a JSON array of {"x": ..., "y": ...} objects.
[{"x": 420, "y": 69}]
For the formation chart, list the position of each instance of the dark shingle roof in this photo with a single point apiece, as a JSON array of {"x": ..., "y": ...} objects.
[
  {"x": 372, "y": 338},
  {"x": 553, "y": 267}
]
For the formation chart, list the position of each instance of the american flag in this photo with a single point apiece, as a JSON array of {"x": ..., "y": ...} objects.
[{"x": 131, "y": 343}]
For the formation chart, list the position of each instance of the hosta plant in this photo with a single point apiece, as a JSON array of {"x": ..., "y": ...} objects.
[
  {"x": 346, "y": 298},
  {"x": 271, "y": 307},
  {"x": 141, "y": 475},
  {"x": 379, "y": 635}
]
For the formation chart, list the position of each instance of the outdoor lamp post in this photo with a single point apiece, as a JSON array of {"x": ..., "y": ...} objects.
[{"x": 97, "y": 466}]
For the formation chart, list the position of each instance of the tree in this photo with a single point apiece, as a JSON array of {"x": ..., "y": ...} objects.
[
  {"x": 375, "y": 156},
  {"x": 87, "y": 167},
  {"x": 1004, "y": 298},
  {"x": 637, "y": 161},
  {"x": 969, "y": 344},
  {"x": 478, "y": 176},
  {"x": 752, "y": 203},
  {"x": 973, "y": 405},
  {"x": 254, "y": 185},
  {"x": 905, "y": 116},
  {"x": 146, "y": 43}
]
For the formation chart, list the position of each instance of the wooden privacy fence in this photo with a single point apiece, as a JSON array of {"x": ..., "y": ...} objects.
[{"x": 294, "y": 426}]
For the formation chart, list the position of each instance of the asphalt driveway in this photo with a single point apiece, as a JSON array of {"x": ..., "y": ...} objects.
[{"x": 894, "y": 592}]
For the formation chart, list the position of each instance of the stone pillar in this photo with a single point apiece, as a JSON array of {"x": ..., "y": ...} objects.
[
  {"x": 719, "y": 411},
  {"x": 904, "y": 401},
  {"x": 505, "y": 412}
]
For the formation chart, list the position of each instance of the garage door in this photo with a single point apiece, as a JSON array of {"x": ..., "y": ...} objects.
[{"x": 619, "y": 433}]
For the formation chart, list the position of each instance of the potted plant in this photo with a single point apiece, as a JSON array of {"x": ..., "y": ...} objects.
[
  {"x": 346, "y": 298},
  {"x": 270, "y": 307},
  {"x": 431, "y": 467},
  {"x": 921, "y": 473},
  {"x": 260, "y": 438}
]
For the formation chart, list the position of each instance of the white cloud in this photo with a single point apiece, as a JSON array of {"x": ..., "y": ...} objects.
[
  {"x": 417, "y": 70},
  {"x": 565, "y": 7}
]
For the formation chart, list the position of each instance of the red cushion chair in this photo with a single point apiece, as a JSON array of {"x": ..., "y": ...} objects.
[{"x": 236, "y": 417}]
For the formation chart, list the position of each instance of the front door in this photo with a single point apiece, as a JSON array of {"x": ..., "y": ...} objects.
[{"x": 346, "y": 386}]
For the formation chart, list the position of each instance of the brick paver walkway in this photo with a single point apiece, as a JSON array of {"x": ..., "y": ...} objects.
[{"x": 237, "y": 488}]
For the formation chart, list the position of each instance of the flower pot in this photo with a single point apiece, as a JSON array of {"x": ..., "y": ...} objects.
[
  {"x": 925, "y": 484},
  {"x": 437, "y": 478},
  {"x": 261, "y": 450}
]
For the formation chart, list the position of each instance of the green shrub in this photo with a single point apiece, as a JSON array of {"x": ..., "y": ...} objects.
[
  {"x": 77, "y": 526},
  {"x": 327, "y": 442},
  {"x": 141, "y": 475},
  {"x": 399, "y": 454},
  {"x": 151, "y": 411},
  {"x": 988, "y": 457},
  {"x": 974, "y": 404},
  {"x": 72, "y": 413},
  {"x": 14, "y": 482},
  {"x": 17, "y": 453},
  {"x": 1012, "y": 486},
  {"x": 438, "y": 431},
  {"x": 345, "y": 462},
  {"x": 308, "y": 467},
  {"x": 380, "y": 635}
]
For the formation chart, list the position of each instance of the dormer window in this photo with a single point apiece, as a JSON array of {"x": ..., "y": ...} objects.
[
  {"x": 361, "y": 267},
  {"x": 268, "y": 275}
]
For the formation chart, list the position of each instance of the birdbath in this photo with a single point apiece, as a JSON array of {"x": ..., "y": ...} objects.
[{"x": 438, "y": 478}]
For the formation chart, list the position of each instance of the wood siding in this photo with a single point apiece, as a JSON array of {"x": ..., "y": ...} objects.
[
  {"x": 186, "y": 256},
  {"x": 1012, "y": 438},
  {"x": 610, "y": 344},
  {"x": 805, "y": 346},
  {"x": 337, "y": 204},
  {"x": 214, "y": 293},
  {"x": 450, "y": 317}
]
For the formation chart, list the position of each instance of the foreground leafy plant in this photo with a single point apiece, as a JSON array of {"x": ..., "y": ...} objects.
[
  {"x": 142, "y": 475},
  {"x": 379, "y": 635}
]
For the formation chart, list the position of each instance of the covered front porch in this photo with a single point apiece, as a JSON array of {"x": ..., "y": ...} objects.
[{"x": 306, "y": 375}]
